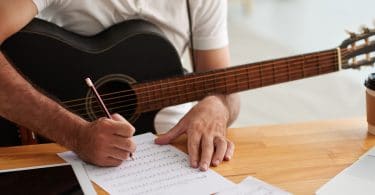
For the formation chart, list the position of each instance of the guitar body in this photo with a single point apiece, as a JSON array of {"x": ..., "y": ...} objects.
[{"x": 57, "y": 62}]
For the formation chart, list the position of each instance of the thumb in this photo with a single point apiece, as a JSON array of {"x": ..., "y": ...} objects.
[
  {"x": 170, "y": 135},
  {"x": 118, "y": 117}
]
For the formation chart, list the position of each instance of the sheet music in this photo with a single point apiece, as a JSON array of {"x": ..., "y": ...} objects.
[
  {"x": 253, "y": 186},
  {"x": 155, "y": 170}
]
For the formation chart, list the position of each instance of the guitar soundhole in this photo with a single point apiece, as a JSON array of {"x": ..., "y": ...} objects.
[{"x": 117, "y": 95}]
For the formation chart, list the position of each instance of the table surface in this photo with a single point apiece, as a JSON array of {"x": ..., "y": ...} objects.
[{"x": 297, "y": 157}]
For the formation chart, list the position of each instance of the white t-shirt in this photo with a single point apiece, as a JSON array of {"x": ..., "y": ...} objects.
[{"x": 89, "y": 17}]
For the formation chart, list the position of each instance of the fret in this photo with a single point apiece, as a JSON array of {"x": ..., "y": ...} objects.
[
  {"x": 242, "y": 79},
  {"x": 206, "y": 88},
  {"x": 184, "y": 89},
  {"x": 236, "y": 83},
  {"x": 289, "y": 73},
  {"x": 178, "y": 91},
  {"x": 256, "y": 78},
  {"x": 148, "y": 91},
  {"x": 195, "y": 89},
  {"x": 261, "y": 76},
  {"x": 216, "y": 84},
  {"x": 161, "y": 97},
  {"x": 273, "y": 72},
  {"x": 164, "y": 98},
  {"x": 155, "y": 90},
  {"x": 174, "y": 91},
  {"x": 225, "y": 84},
  {"x": 318, "y": 65},
  {"x": 303, "y": 67},
  {"x": 222, "y": 80},
  {"x": 248, "y": 77},
  {"x": 189, "y": 89}
]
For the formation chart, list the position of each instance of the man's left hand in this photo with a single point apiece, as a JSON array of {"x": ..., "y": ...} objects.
[{"x": 206, "y": 127}]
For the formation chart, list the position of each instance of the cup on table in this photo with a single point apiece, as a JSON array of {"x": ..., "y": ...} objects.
[{"x": 370, "y": 102}]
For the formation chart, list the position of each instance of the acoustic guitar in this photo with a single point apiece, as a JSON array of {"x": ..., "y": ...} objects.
[{"x": 138, "y": 71}]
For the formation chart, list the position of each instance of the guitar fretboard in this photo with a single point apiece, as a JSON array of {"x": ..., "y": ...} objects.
[{"x": 162, "y": 93}]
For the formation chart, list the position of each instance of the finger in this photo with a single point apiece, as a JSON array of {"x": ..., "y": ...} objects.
[
  {"x": 207, "y": 147},
  {"x": 125, "y": 144},
  {"x": 119, "y": 154},
  {"x": 170, "y": 135},
  {"x": 220, "y": 144},
  {"x": 118, "y": 117},
  {"x": 124, "y": 129},
  {"x": 194, "y": 141},
  {"x": 110, "y": 161},
  {"x": 230, "y": 150}
]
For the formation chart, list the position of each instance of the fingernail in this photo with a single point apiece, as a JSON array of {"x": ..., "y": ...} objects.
[
  {"x": 204, "y": 167},
  {"x": 228, "y": 158},
  {"x": 194, "y": 164},
  {"x": 216, "y": 163}
]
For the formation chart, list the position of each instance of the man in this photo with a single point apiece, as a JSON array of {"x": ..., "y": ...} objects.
[{"x": 107, "y": 142}]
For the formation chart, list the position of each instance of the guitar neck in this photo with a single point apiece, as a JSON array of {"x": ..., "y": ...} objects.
[{"x": 162, "y": 93}]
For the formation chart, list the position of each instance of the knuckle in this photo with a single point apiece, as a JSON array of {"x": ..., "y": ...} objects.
[
  {"x": 220, "y": 140},
  {"x": 102, "y": 120},
  {"x": 230, "y": 143},
  {"x": 131, "y": 130},
  {"x": 196, "y": 124},
  {"x": 127, "y": 144},
  {"x": 133, "y": 147},
  {"x": 101, "y": 138},
  {"x": 195, "y": 145}
]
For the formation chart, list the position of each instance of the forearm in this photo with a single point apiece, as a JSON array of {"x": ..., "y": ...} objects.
[{"x": 24, "y": 105}]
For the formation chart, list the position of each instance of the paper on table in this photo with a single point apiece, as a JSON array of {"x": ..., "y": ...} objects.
[
  {"x": 356, "y": 179},
  {"x": 370, "y": 152},
  {"x": 155, "y": 170},
  {"x": 253, "y": 186}
]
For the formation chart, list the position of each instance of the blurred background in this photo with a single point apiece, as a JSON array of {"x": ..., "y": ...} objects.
[{"x": 268, "y": 29}]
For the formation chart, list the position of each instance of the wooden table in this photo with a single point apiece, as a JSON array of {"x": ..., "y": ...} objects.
[{"x": 296, "y": 157}]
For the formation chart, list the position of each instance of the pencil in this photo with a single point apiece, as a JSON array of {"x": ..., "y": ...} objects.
[{"x": 101, "y": 103}]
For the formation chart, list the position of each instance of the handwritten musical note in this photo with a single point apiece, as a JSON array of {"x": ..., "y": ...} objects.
[{"x": 155, "y": 170}]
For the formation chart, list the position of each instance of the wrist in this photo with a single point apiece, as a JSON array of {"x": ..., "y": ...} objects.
[
  {"x": 221, "y": 101},
  {"x": 76, "y": 135},
  {"x": 69, "y": 129},
  {"x": 231, "y": 103}
]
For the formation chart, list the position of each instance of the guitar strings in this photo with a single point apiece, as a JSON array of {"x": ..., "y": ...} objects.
[
  {"x": 261, "y": 66},
  {"x": 197, "y": 78},
  {"x": 128, "y": 110},
  {"x": 238, "y": 84},
  {"x": 261, "y": 81},
  {"x": 276, "y": 74},
  {"x": 265, "y": 77}
]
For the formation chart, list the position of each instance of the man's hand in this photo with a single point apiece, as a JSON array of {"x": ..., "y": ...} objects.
[
  {"x": 206, "y": 126},
  {"x": 106, "y": 142}
]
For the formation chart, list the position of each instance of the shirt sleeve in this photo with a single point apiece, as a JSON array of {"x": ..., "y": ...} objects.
[
  {"x": 210, "y": 24},
  {"x": 41, "y": 4}
]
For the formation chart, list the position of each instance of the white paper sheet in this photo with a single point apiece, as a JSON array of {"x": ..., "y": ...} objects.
[
  {"x": 155, "y": 170},
  {"x": 253, "y": 186},
  {"x": 358, "y": 178}
]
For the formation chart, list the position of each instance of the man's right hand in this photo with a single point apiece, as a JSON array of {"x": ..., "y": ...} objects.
[{"x": 106, "y": 142}]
